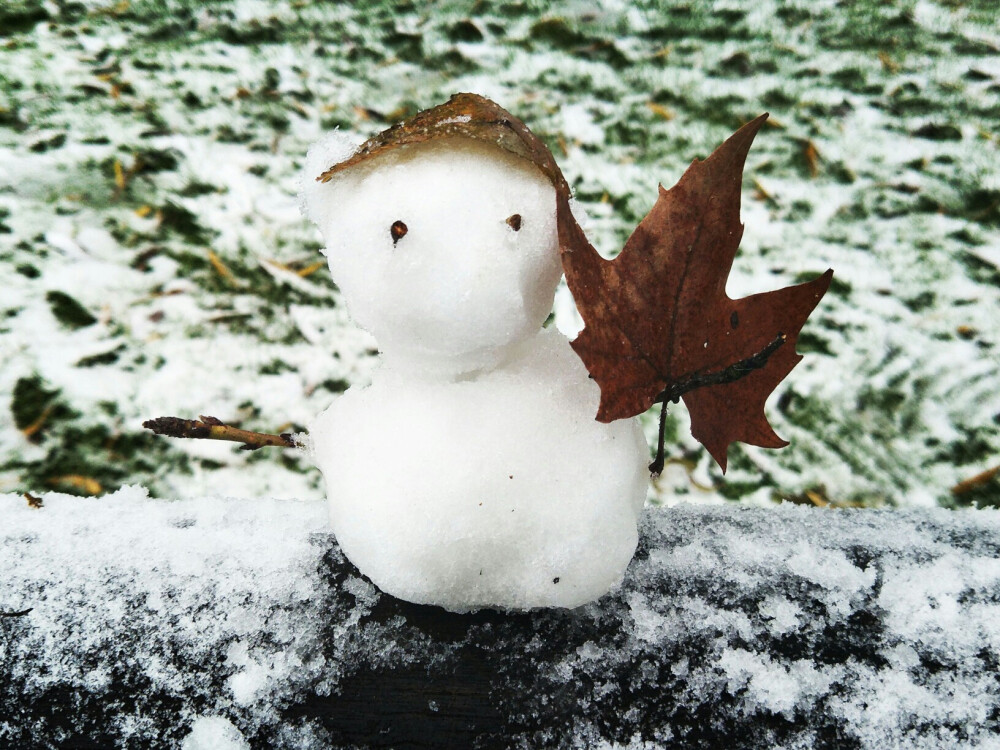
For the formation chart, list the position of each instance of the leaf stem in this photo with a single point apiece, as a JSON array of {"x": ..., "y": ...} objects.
[
  {"x": 210, "y": 428},
  {"x": 731, "y": 374},
  {"x": 656, "y": 468}
]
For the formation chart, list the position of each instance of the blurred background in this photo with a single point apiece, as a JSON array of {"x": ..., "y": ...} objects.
[{"x": 153, "y": 259}]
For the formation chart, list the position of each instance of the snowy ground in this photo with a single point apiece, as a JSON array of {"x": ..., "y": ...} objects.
[{"x": 153, "y": 260}]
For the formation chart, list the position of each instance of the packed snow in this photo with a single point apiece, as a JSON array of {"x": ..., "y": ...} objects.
[
  {"x": 216, "y": 622},
  {"x": 501, "y": 489}
]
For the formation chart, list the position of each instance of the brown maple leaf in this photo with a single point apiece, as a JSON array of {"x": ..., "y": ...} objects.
[{"x": 659, "y": 325}]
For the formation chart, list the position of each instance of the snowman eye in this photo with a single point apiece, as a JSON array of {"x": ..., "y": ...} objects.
[
  {"x": 398, "y": 230},
  {"x": 514, "y": 222}
]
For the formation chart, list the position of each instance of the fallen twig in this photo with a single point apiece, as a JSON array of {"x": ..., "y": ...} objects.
[
  {"x": 972, "y": 483},
  {"x": 210, "y": 428},
  {"x": 22, "y": 613}
]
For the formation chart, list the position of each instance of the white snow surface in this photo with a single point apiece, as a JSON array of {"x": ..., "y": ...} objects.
[{"x": 156, "y": 622}]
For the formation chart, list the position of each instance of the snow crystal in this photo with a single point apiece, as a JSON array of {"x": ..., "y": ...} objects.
[
  {"x": 776, "y": 688},
  {"x": 578, "y": 123},
  {"x": 214, "y": 733}
]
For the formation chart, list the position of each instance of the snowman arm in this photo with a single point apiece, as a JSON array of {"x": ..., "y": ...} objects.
[{"x": 210, "y": 428}]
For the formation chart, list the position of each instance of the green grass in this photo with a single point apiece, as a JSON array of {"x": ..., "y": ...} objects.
[{"x": 176, "y": 128}]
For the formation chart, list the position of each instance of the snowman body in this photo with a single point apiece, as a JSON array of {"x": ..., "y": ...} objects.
[{"x": 471, "y": 472}]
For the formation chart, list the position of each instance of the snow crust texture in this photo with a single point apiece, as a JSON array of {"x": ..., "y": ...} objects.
[{"x": 178, "y": 623}]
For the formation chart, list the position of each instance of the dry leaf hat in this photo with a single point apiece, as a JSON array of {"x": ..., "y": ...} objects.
[{"x": 481, "y": 119}]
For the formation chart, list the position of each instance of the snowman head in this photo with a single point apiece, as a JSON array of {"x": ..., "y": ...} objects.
[{"x": 446, "y": 249}]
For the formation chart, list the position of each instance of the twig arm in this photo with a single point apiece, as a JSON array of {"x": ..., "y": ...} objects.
[{"x": 210, "y": 428}]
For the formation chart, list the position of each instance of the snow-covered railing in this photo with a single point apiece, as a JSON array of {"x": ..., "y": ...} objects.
[{"x": 231, "y": 623}]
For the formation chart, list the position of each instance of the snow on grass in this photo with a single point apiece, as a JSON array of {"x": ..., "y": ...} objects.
[{"x": 152, "y": 260}]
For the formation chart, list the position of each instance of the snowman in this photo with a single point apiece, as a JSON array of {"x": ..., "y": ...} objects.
[{"x": 471, "y": 473}]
